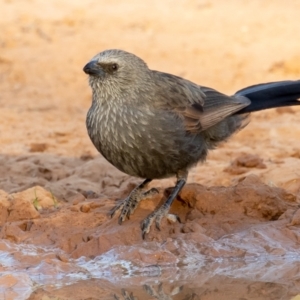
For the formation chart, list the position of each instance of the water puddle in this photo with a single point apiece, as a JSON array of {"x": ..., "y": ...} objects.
[{"x": 180, "y": 271}]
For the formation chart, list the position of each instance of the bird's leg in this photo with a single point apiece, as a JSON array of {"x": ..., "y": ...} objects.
[
  {"x": 160, "y": 293},
  {"x": 126, "y": 296},
  {"x": 163, "y": 210},
  {"x": 130, "y": 203}
]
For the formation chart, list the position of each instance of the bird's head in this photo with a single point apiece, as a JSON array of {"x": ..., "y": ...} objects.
[{"x": 113, "y": 71}]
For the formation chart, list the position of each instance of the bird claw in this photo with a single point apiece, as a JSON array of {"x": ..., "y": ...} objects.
[
  {"x": 125, "y": 295},
  {"x": 116, "y": 208},
  {"x": 121, "y": 219},
  {"x": 157, "y": 223},
  {"x": 130, "y": 203},
  {"x": 157, "y": 216},
  {"x": 151, "y": 192}
]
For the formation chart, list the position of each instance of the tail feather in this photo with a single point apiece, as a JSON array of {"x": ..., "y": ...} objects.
[{"x": 270, "y": 95}]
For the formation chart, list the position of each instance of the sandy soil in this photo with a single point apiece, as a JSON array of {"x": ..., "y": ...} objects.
[{"x": 240, "y": 211}]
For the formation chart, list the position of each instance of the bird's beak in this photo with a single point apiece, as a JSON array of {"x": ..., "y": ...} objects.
[{"x": 93, "y": 68}]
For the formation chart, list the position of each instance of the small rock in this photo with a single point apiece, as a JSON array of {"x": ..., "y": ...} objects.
[{"x": 85, "y": 207}]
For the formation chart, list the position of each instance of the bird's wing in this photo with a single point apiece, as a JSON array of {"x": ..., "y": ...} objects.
[{"x": 199, "y": 107}]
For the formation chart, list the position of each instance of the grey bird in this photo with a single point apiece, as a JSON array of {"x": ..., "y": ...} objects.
[{"x": 154, "y": 125}]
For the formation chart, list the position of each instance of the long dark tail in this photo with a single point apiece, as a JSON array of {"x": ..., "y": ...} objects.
[{"x": 270, "y": 95}]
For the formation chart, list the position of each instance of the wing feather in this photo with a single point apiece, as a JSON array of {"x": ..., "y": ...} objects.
[{"x": 199, "y": 107}]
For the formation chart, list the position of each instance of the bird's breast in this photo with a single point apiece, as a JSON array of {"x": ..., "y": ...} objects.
[
  {"x": 141, "y": 142},
  {"x": 119, "y": 134}
]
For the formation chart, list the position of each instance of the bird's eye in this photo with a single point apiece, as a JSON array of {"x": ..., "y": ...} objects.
[{"x": 114, "y": 67}]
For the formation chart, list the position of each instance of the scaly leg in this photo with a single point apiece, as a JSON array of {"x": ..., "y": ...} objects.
[
  {"x": 130, "y": 203},
  {"x": 159, "y": 292},
  {"x": 126, "y": 296},
  {"x": 162, "y": 211}
]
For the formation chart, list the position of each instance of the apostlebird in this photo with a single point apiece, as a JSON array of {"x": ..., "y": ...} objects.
[{"x": 154, "y": 125}]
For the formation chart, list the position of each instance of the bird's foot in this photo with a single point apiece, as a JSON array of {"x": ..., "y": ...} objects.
[
  {"x": 130, "y": 203},
  {"x": 159, "y": 293},
  {"x": 157, "y": 216},
  {"x": 125, "y": 296}
]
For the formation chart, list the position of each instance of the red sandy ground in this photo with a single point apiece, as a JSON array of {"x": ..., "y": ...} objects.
[{"x": 252, "y": 180}]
